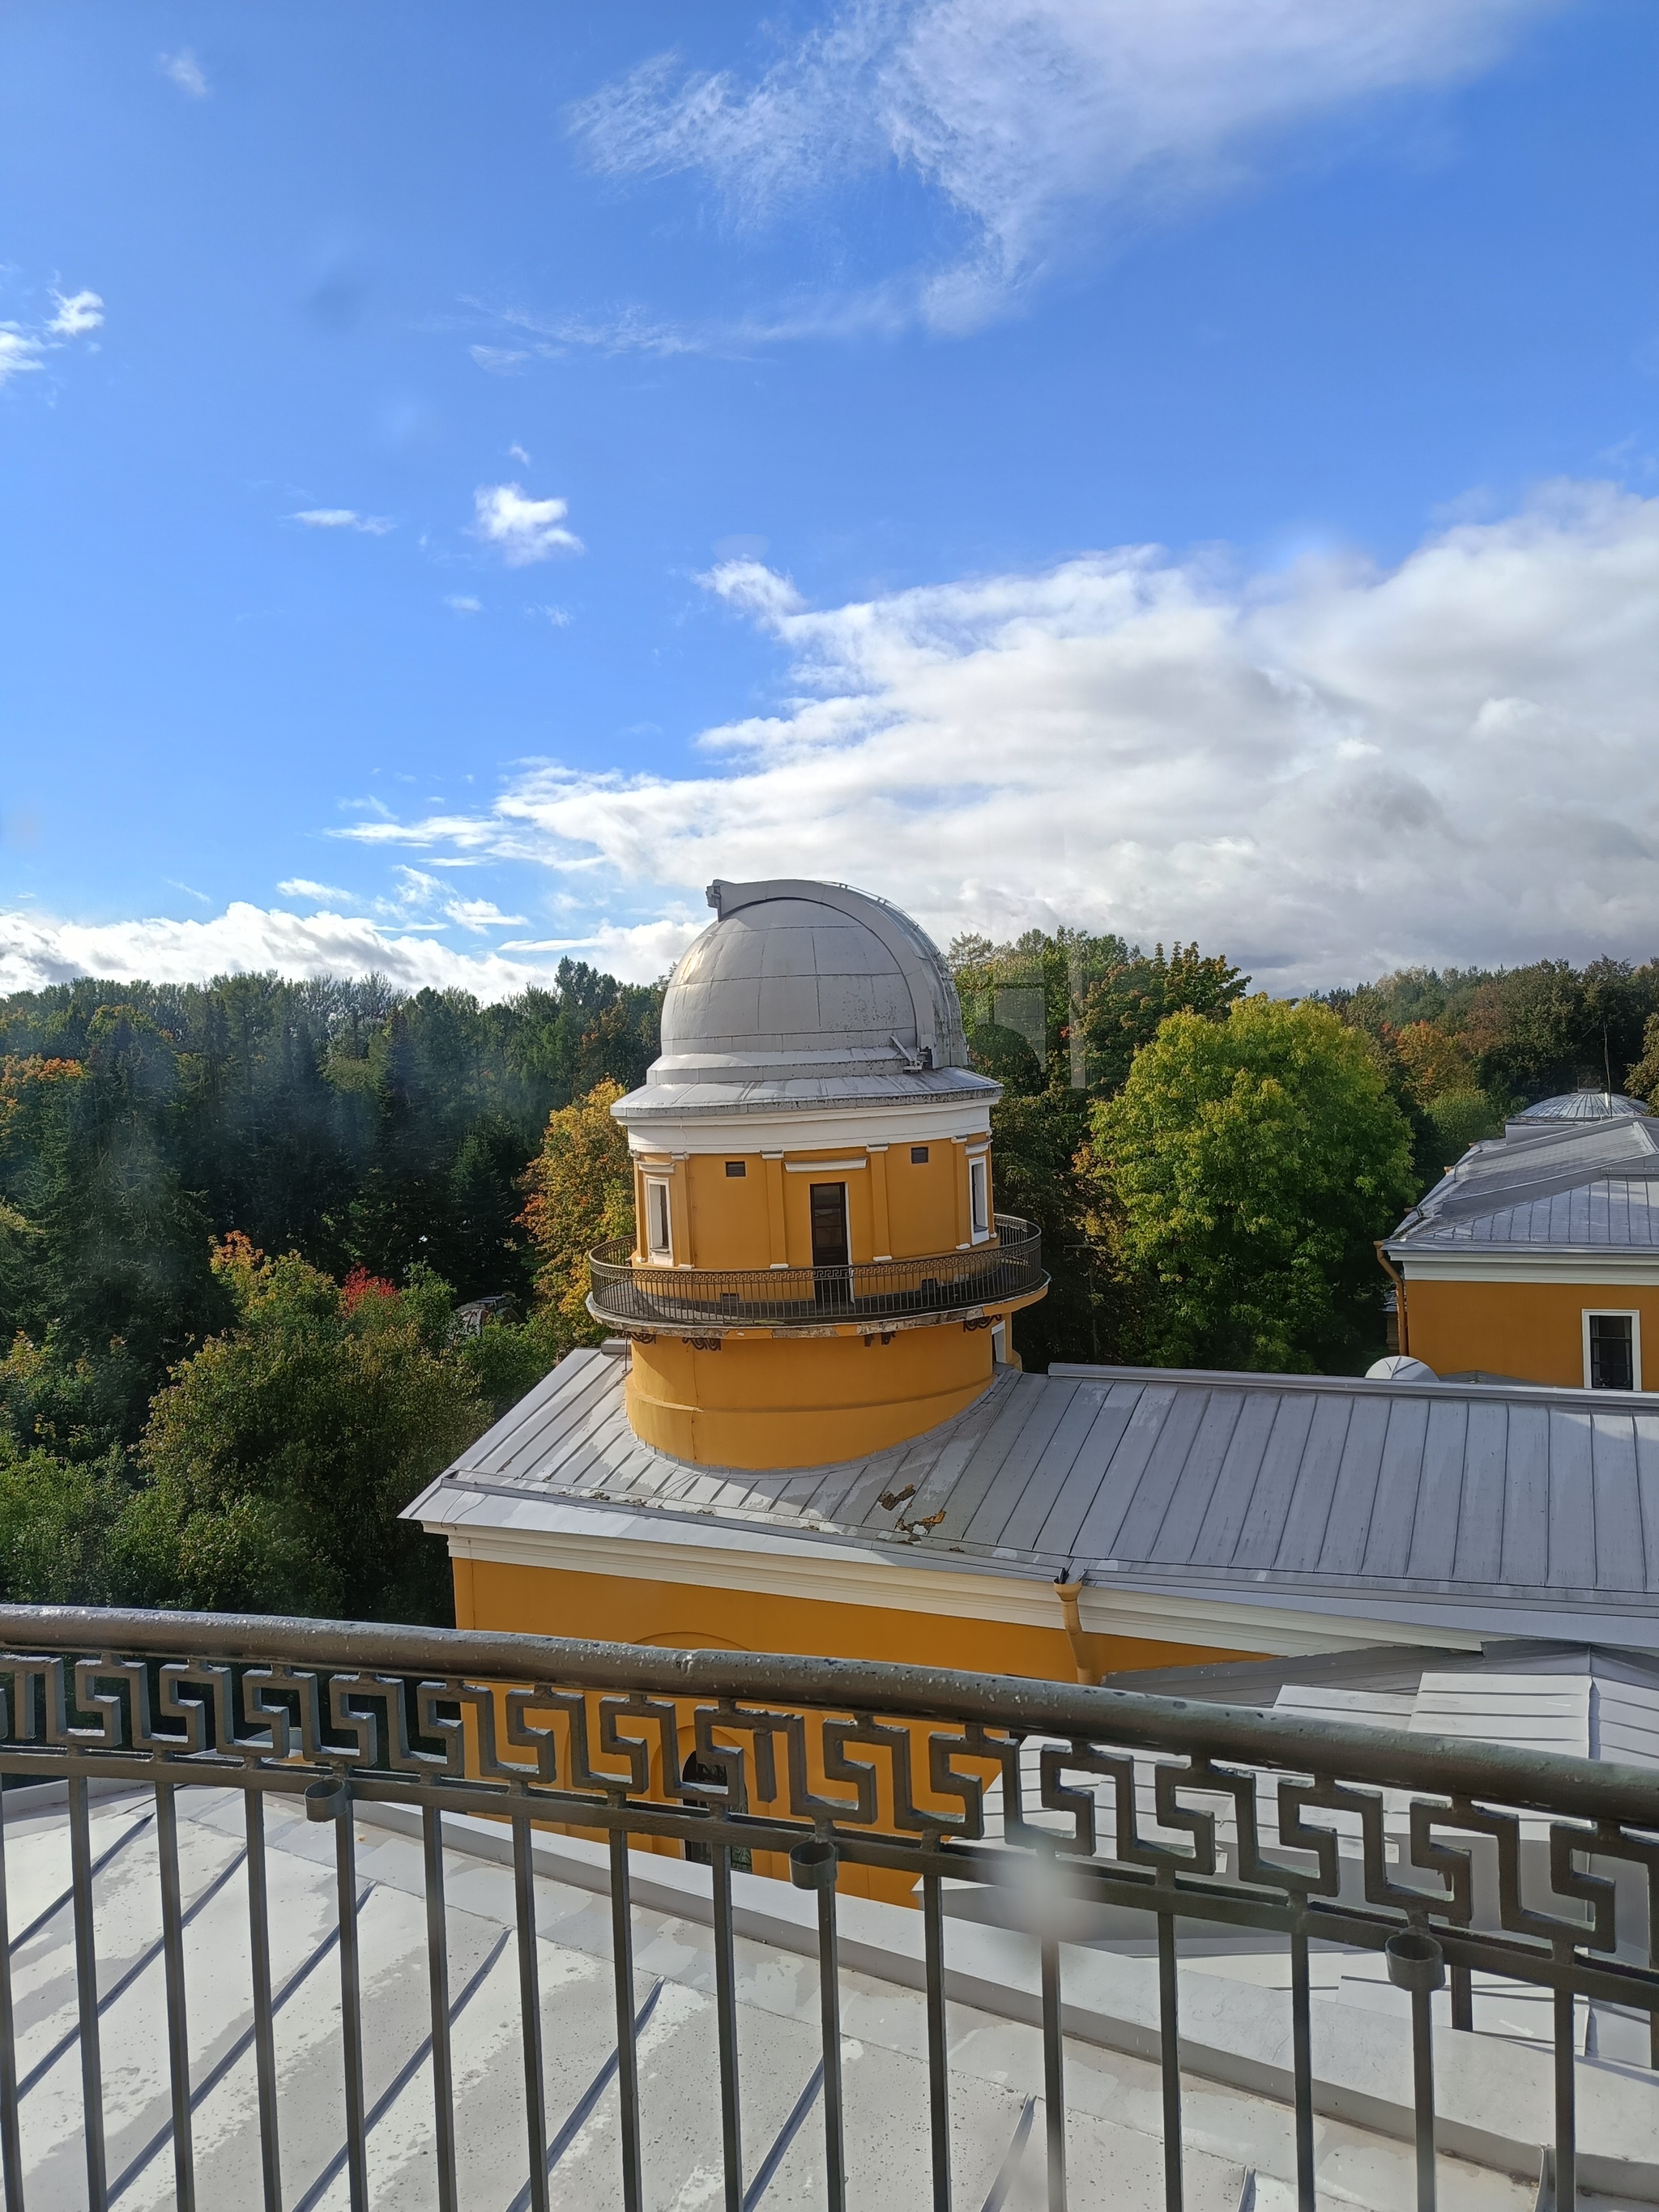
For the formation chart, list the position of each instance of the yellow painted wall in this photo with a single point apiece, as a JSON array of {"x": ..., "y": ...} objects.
[
  {"x": 677, "y": 1616},
  {"x": 1531, "y": 1331},
  {"x": 681, "y": 1616},
  {"x": 802, "y": 1401},
  {"x": 723, "y": 1221}
]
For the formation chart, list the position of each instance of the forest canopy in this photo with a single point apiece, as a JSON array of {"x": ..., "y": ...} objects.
[{"x": 238, "y": 1221}]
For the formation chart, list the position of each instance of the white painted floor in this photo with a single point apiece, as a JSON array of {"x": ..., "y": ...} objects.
[{"x": 1236, "y": 2144}]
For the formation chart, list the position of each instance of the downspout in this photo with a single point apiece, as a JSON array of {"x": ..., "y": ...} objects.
[
  {"x": 1399, "y": 1282},
  {"x": 1068, "y": 1594}
]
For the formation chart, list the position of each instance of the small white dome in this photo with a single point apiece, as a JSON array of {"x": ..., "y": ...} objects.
[
  {"x": 1584, "y": 1106},
  {"x": 1400, "y": 1367}
]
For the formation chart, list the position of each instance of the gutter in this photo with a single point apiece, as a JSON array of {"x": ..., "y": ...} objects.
[{"x": 1399, "y": 1282}]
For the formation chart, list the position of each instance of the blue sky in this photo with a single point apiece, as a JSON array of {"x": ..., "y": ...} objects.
[{"x": 1175, "y": 465}]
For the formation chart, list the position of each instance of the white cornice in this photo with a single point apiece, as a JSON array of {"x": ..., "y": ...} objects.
[
  {"x": 824, "y": 1575},
  {"x": 916, "y": 1121},
  {"x": 1526, "y": 1263}
]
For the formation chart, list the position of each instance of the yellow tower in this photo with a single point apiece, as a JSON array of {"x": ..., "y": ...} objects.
[{"x": 819, "y": 1269}]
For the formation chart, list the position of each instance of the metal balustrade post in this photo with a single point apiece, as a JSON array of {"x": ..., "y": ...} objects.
[
  {"x": 86, "y": 1987},
  {"x": 529, "y": 2010},
  {"x": 332, "y": 1801},
  {"x": 628, "y": 2057},
  {"x": 1417, "y": 1964},
  {"x": 1169, "y": 2040},
  {"x": 11, "y": 2149},
  {"x": 172, "y": 1943},
  {"x": 437, "y": 1962},
  {"x": 265, "y": 2042},
  {"x": 939, "y": 2048},
  {"x": 1301, "y": 2064},
  {"x": 812, "y": 1866},
  {"x": 725, "y": 2014}
]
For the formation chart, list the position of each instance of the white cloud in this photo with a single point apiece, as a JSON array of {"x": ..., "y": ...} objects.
[
  {"x": 35, "y": 952},
  {"x": 303, "y": 887},
  {"x": 462, "y": 603},
  {"x": 517, "y": 453},
  {"x": 77, "y": 313},
  {"x": 1023, "y": 115},
  {"x": 555, "y": 618},
  {"x": 500, "y": 360},
  {"x": 637, "y": 953},
  {"x": 343, "y": 517},
  {"x": 525, "y": 529},
  {"x": 18, "y": 352},
  {"x": 184, "y": 69},
  {"x": 1326, "y": 771}
]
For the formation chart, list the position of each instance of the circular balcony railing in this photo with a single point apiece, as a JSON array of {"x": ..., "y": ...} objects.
[{"x": 696, "y": 1300}]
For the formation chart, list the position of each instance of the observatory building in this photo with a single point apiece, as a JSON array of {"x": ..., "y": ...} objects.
[{"x": 818, "y": 1271}]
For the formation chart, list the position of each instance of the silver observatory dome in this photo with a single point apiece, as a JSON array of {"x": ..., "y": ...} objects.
[{"x": 805, "y": 993}]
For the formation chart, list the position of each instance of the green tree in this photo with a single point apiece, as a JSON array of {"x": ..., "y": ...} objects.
[
  {"x": 582, "y": 1195},
  {"x": 59, "y": 1521},
  {"x": 1240, "y": 1176},
  {"x": 283, "y": 1451}
]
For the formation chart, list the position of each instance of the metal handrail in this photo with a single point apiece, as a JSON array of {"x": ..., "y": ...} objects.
[
  {"x": 1166, "y": 1812},
  {"x": 628, "y": 1291}
]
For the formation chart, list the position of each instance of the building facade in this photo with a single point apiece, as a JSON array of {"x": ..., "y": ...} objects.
[{"x": 1536, "y": 1257}]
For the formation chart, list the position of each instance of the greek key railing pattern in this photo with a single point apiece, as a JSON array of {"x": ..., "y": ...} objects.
[
  {"x": 1450, "y": 1858},
  {"x": 635, "y": 1296}
]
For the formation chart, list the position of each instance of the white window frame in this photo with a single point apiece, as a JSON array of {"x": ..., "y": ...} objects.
[
  {"x": 1616, "y": 1313},
  {"x": 979, "y": 1197},
  {"x": 659, "y": 1195}
]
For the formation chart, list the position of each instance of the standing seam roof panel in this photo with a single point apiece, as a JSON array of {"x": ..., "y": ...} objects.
[
  {"x": 1479, "y": 1555},
  {"x": 1059, "y": 1533},
  {"x": 986, "y": 1462},
  {"x": 1310, "y": 1511},
  {"x": 1353, "y": 1500},
  {"x": 1098, "y": 1534},
  {"x": 1235, "y": 1485},
  {"x": 1526, "y": 1555},
  {"x": 1176, "y": 1434},
  {"x": 1618, "y": 1561},
  {"x": 1440, "y": 1494},
  {"x": 1022, "y": 1522},
  {"x": 1177, "y": 1538},
  {"x": 1399, "y": 1480},
  {"x": 1262, "y": 1530},
  {"x": 1646, "y": 1428},
  {"x": 991, "y": 1515},
  {"x": 1573, "y": 1503}
]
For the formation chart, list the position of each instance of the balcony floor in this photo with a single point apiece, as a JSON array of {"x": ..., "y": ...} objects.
[{"x": 1115, "y": 2152}]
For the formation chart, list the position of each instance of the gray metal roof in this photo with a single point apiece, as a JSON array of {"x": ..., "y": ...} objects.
[
  {"x": 803, "y": 993},
  {"x": 1583, "y": 1106},
  {"x": 1505, "y": 1191},
  {"x": 1215, "y": 1484}
]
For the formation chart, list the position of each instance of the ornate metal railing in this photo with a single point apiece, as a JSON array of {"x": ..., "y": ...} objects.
[
  {"x": 1537, "y": 1868},
  {"x": 699, "y": 1300}
]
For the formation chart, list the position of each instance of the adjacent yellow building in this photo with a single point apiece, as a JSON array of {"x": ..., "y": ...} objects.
[{"x": 1536, "y": 1258}]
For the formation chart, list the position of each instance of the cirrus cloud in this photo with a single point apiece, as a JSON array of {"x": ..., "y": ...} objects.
[{"x": 1026, "y": 117}]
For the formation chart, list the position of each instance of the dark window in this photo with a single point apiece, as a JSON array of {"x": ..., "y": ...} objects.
[
  {"x": 918, "y": 1156},
  {"x": 736, "y": 1168},
  {"x": 830, "y": 1224},
  {"x": 699, "y": 1770},
  {"x": 1612, "y": 1352}
]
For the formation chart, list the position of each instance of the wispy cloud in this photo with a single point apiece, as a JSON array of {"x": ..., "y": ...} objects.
[
  {"x": 24, "y": 347},
  {"x": 500, "y": 360},
  {"x": 555, "y": 618},
  {"x": 184, "y": 69},
  {"x": 1328, "y": 770},
  {"x": 522, "y": 529},
  {"x": 343, "y": 517},
  {"x": 1025, "y": 117},
  {"x": 77, "y": 313},
  {"x": 463, "y": 602},
  {"x": 303, "y": 887}
]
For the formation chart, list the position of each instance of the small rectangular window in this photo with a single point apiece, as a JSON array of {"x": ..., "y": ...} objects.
[
  {"x": 979, "y": 1192},
  {"x": 1612, "y": 1350},
  {"x": 736, "y": 1167},
  {"x": 658, "y": 1238},
  {"x": 918, "y": 1156}
]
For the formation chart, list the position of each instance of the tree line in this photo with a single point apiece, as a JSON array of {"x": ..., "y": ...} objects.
[{"x": 237, "y": 1221}]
